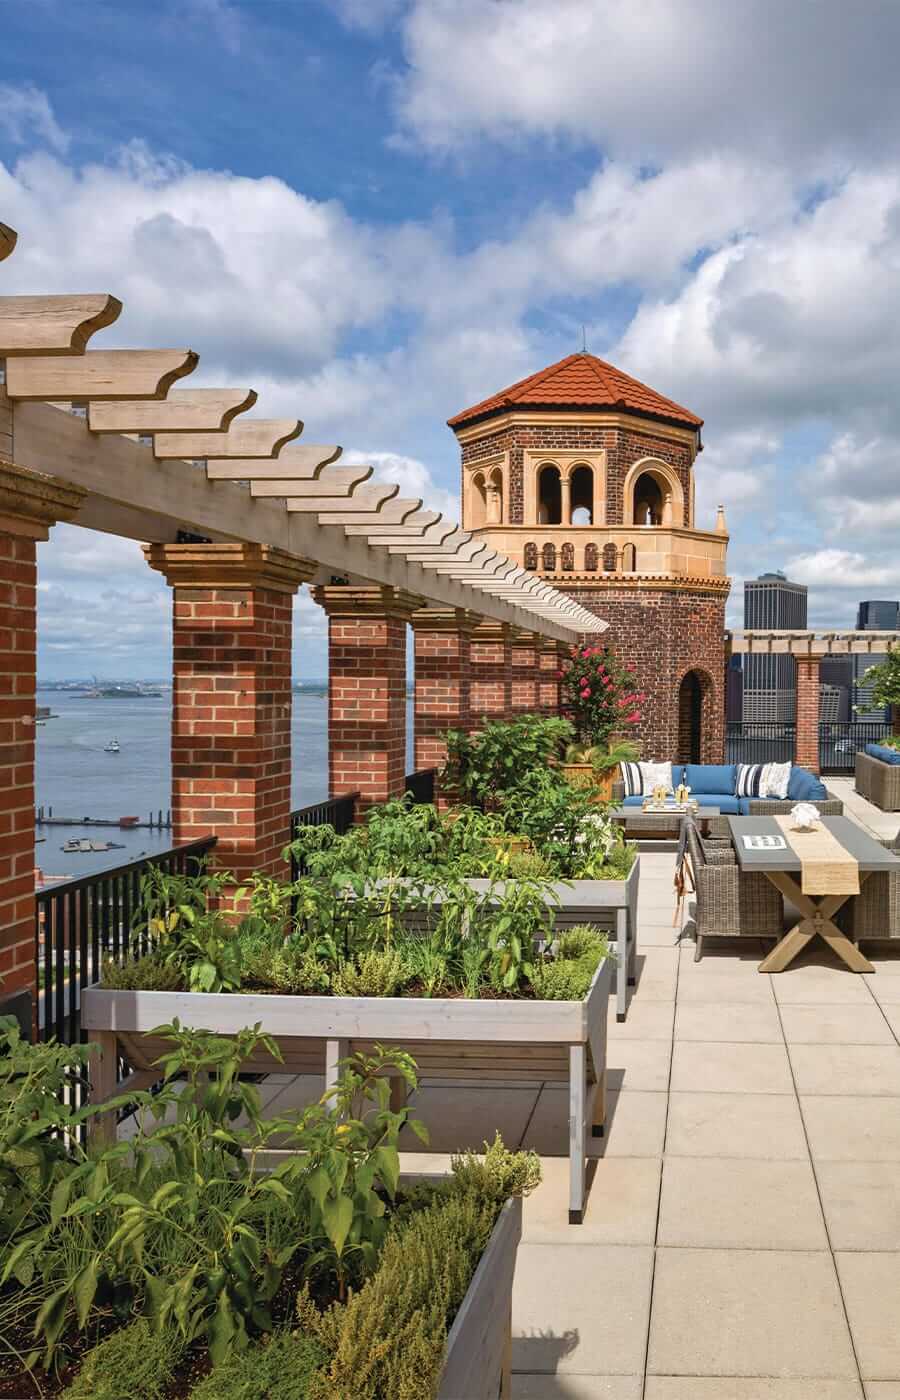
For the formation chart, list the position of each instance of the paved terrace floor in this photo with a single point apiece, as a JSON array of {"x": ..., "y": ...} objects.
[{"x": 742, "y": 1234}]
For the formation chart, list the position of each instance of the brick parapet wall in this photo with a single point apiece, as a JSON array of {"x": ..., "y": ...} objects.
[
  {"x": 807, "y": 744},
  {"x": 367, "y": 690},
  {"x": 665, "y": 633},
  {"x": 623, "y": 447}
]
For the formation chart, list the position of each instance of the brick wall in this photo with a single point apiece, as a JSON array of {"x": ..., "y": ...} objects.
[
  {"x": 231, "y": 723},
  {"x": 525, "y": 673},
  {"x": 491, "y": 669},
  {"x": 18, "y": 580},
  {"x": 442, "y": 683},
  {"x": 665, "y": 633},
  {"x": 807, "y": 745},
  {"x": 623, "y": 447}
]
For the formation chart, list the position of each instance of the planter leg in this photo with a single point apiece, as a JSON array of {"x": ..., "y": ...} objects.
[
  {"x": 102, "y": 1075},
  {"x": 399, "y": 1089},
  {"x": 577, "y": 1165},
  {"x": 335, "y": 1051},
  {"x": 598, "y": 1115},
  {"x": 621, "y": 963}
]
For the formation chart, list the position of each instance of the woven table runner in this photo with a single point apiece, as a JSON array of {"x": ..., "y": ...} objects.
[{"x": 826, "y": 867}]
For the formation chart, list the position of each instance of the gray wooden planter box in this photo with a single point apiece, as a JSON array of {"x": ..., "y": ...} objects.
[
  {"x": 479, "y": 1344},
  {"x": 610, "y": 905},
  {"x": 555, "y": 1041}
]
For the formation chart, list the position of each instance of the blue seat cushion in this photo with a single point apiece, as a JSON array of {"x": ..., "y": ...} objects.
[
  {"x": 710, "y": 777},
  {"x": 726, "y": 802},
  {"x": 882, "y": 752},
  {"x": 805, "y": 787}
]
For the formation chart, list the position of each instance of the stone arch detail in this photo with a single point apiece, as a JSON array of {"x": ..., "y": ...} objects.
[
  {"x": 610, "y": 558},
  {"x": 669, "y": 484},
  {"x": 591, "y": 558},
  {"x": 567, "y": 556},
  {"x": 531, "y": 557},
  {"x": 548, "y": 558},
  {"x": 696, "y": 699}
]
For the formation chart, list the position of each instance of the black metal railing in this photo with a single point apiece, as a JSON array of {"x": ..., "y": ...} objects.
[
  {"x": 839, "y": 743},
  {"x": 759, "y": 742},
  {"x": 80, "y": 922},
  {"x": 419, "y": 786},
  {"x": 339, "y": 812}
]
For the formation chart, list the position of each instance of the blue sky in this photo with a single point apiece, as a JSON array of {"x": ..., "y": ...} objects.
[{"x": 377, "y": 211}]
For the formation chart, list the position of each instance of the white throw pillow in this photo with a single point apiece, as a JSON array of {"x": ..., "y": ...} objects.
[
  {"x": 774, "y": 780},
  {"x": 656, "y": 774}
]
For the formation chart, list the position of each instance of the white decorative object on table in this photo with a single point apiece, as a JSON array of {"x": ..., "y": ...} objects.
[{"x": 804, "y": 817}]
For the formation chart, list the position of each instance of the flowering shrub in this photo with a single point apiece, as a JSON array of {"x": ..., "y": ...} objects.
[{"x": 600, "y": 694}]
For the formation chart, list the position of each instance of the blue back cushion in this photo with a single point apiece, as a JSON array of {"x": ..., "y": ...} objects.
[
  {"x": 677, "y": 774},
  {"x": 805, "y": 787},
  {"x": 883, "y": 752},
  {"x": 710, "y": 777}
]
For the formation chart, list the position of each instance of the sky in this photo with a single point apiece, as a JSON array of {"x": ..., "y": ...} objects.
[{"x": 377, "y": 212}]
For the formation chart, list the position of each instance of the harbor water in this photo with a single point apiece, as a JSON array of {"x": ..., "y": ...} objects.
[{"x": 78, "y": 778}]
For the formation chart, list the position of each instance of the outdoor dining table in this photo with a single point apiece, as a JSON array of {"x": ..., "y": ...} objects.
[{"x": 783, "y": 868}]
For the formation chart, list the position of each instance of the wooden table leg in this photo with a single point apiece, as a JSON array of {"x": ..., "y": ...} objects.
[{"x": 817, "y": 919}]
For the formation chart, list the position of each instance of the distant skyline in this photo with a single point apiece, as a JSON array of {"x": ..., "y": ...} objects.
[{"x": 361, "y": 208}]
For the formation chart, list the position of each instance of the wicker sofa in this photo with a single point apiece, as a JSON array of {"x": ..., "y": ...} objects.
[
  {"x": 713, "y": 785},
  {"x": 875, "y": 912},
  {"x": 729, "y": 903},
  {"x": 878, "y": 782}
]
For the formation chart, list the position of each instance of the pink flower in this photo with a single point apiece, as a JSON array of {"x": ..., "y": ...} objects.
[{"x": 634, "y": 718}]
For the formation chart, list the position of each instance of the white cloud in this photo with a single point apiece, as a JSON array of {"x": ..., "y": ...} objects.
[
  {"x": 25, "y": 113},
  {"x": 656, "y": 81},
  {"x": 846, "y": 569}
]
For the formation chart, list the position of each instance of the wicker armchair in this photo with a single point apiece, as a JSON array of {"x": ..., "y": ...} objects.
[
  {"x": 729, "y": 904},
  {"x": 877, "y": 782},
  {"x": 875, "y": 911}
]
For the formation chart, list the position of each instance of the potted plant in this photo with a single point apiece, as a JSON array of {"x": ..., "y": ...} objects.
[
  {"x": 596, "y": 766},
  {"x": 601, "y": 698}
]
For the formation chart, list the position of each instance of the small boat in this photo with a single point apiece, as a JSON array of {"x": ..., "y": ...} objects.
[{"x": 112, "y": 746}]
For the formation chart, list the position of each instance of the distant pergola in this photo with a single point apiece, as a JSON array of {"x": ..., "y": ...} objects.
[{"x": 236, "y": 512}]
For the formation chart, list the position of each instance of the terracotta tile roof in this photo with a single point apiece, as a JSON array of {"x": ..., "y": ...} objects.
[{"x": 580, "y": 380}]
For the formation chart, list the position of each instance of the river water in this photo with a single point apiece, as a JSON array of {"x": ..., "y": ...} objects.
[{"x": 77, "y": 779}]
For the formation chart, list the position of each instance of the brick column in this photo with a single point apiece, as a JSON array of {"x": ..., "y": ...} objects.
[
  {"x": 367, "y": 689},
  {"x": 231, "y": 697},
  {"x": 29, "y": 504},
  {"x": 549, "y": 667},
  {"x": 491, "y": 692},
  {"x": 807, "y": 748},
  {"x": 525, "y": 678},
  {"x": 442, "y": 680}
]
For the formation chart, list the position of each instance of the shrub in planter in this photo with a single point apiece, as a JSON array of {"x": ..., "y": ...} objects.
[
  {"x": 493, "y": 760},
  {"x": 600, "y": 694},
  {"x": 282, "y": 1368}
]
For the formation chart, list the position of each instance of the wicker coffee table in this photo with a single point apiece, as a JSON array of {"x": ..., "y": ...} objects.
[{"x": 665, "y": 824}]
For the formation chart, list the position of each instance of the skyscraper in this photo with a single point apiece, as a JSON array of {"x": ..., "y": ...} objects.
[
  {"x": 772, "y": 602},
  {"x": 876, "y": 615}
]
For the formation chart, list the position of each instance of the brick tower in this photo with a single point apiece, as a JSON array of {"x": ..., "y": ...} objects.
[{"x": 585, "y": 476}]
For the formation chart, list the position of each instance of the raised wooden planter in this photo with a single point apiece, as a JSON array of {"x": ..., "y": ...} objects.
[
  {"x": 585, "y": 775},
  {"x": 555, "y": 1041},
  {"x": 608, "y": 904},
  {"x": 479, "y": 1343}
]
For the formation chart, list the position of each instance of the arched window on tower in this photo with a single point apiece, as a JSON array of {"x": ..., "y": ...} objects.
[
  {"x": 548, "y": 558},
  {"x": 531, "y": 557},
  {"x": 609, "y": 558},
  {"x": 648, "y": 500},
  {"x": 549, "y": 495},
  {"x": 494, "y": 492},
  {"x": 591, "y": 558},
  {"x": 567, "y": 556},
  {"x": 582, "y": 496}
]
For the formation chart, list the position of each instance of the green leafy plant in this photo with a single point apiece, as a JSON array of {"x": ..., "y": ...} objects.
[
  {"x": 602, "y": 757},
  {"x": 493, "y": 760},
  {"x": 150, "y": 973},
  {"x": 177, "y": 915},
  {"x": 885, "y": 682},
  {"x": 600, "y": 694},
  {"x": 286, "y": 968}
]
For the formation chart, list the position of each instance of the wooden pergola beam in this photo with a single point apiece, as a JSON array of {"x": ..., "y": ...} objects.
[
  {"x": 369, "y": 499},
  {"x": 333, "y": 481},
  {"x": 294, "y": 463},
  {"x": 8, "y": 237},
  {"x": 56, "y": 325},
  {"x": 194, "y": 410},
  {"x": 395, "y": 511},
  {"x": 257, "y": 437},
  {"x": 98, "y": 374}
]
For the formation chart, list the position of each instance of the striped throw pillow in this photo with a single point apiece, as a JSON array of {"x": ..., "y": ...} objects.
[
  {"x": 632, "y": 779},
  {"x": 747, "y": 780}
]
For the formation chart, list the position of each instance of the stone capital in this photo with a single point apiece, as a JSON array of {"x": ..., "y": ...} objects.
[
  {"x": 30, "y": 502},
  {"x": 488, "y": 630},
  {"x": 224, "y": 565},
  {"x": 381, "y": 600},
  {"x": 444, "y": 620}
]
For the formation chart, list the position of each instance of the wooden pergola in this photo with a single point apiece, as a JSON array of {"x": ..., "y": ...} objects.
[{"x": 237, "y": 511}]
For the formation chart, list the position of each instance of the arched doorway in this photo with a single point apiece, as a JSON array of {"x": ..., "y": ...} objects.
[{"x": 690, "y": 718}]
